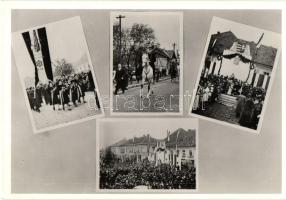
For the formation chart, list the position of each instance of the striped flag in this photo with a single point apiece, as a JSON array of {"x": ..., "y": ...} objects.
[{"x": 37, "y": 45}]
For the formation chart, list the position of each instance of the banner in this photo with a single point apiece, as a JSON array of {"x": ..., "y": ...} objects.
[{"x": 38, "y": 48}]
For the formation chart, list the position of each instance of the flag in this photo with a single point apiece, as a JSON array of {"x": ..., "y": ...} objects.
[
  {"x": 27, "y": 39},
  {"x": 213, "y": 43},
  {"x": 257, "y": 44},
  {"x": 37, "y": 45},
  {"x": 148, "y": 146},
  {"x": 177, "y": 140},
  {"x": 240, "y": 48},
  {"x": 37, "y": 53}
]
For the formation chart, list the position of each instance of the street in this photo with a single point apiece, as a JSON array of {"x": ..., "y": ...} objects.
[
  {"x": 49, "y": 117},
  {"x": 219, "y": 112},
  {"x": 164, "y": 99}
]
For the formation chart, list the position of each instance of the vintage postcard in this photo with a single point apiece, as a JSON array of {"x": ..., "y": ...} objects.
[
  {"x": 237, "y": 70},
  {"x": 147, "y": 154},
  {"x": 56, "y": 73},
  {"x": 146, "y": 64}
]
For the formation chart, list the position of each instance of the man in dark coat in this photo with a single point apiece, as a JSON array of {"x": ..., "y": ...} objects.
[
  {"x": 83, "y": 87},
  {"x": 91, "y": 85},
  {"x": 37, "y": 98},
  {"x": 173, "y": 69},
  {"x": 47, "y": 95},
  {"x": 256, "y": 114},
  {"x": 241, "y": 99},
  {"x": 152, "y": 60},
  {"x": 30, "y": 97},
  {"x": 138, "y": 73},
  {"x": 120, "y": 79},
  {"x": 247, "y": 113},
  {"x": 138, "y": 63}
]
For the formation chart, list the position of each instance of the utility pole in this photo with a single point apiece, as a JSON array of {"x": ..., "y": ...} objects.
[{"x": 120, "y": 35}]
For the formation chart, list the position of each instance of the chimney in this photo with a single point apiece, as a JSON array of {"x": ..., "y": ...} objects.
[{"x": 168, "y": 135}]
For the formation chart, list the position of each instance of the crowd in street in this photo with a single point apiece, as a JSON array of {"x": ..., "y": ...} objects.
[
  {"x": 64, "y": 93},
  {"x": 131, "y": 175},
  {"x": 124, "y": 75},
  {"x": 250, "y": 99}
]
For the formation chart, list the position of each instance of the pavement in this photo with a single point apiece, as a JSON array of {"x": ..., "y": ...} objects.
[
  {"x": 138, "y": 84},
  {"x": 49, "y": 117},
  {"x": 165, "y": 98},
  {"x": 220, "y": 112}
]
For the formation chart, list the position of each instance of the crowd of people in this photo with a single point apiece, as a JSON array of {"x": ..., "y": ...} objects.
[
  {"x": 63, "y": 93},
  {"x": 130, "y": 175},
  {"x": 250, "y": 99},
  {"x": 123, "y": 75}
]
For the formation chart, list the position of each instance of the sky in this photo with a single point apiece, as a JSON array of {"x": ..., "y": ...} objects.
[
  {"x": 66, "y": 40},
  {"x": 245, "y": 32},
  {"x": 166, "y": 25},
  {"x": 112, "y": 131}
]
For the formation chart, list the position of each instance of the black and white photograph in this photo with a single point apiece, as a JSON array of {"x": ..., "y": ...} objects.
[
  {"x": 151, "y": 155},
  {"x": 236, "y": 73},
  {"x": 56, "y": 74},
  {"x": 146, "y": 62}
]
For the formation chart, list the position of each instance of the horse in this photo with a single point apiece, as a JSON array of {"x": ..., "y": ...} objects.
[{"x": 147, "y": 75}]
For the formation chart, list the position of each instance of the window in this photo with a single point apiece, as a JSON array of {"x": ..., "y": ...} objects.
[
  {"x": 260, "y": 80},
  {"x": 190, "y": 153},
  {"x": 184, "y": 153}
]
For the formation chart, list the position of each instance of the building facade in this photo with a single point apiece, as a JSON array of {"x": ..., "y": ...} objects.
[
  {"x": 247, "y": 61},
  {"x": 177, "y": 149}
]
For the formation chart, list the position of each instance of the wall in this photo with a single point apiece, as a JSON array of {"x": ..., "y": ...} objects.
[{"x": 240, "y": 71}]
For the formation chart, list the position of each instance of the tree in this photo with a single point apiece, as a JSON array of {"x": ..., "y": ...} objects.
[
  {"x": 109, "y": 157},
  {"x": 63, "y": 68},
  {"x": 137, "y": 38},
  {"x": 142, "y": 35}
]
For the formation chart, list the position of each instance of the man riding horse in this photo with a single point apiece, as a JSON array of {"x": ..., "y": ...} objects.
[{"x": 147, "y": 75}]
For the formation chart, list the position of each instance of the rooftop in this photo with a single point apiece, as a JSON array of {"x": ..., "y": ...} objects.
[
  {"x": 264, "y": 55},
  {"x": 180, "y": 137}
]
